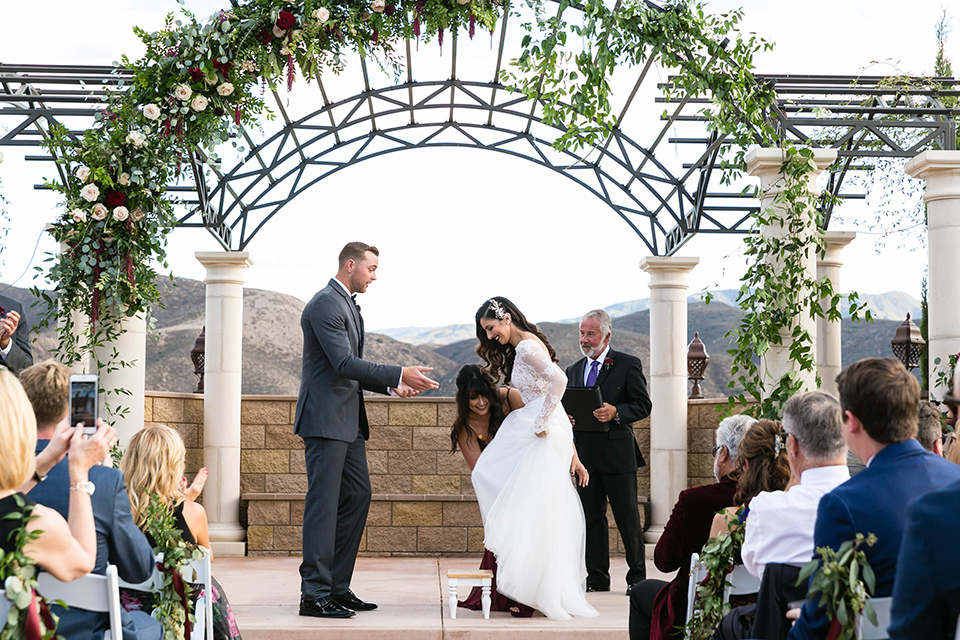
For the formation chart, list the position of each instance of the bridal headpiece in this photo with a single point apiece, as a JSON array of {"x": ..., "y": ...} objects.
[
  {"x": 496, "y": 308},
  {"x": 777, "y": 444}
]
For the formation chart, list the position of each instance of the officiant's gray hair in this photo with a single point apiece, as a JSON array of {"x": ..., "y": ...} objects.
[
  {"x": 730, "y": 433},
  {"x": 601, "y": 316}
]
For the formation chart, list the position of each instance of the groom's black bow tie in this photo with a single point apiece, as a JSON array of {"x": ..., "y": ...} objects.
[{"x": 354, "y": 298}]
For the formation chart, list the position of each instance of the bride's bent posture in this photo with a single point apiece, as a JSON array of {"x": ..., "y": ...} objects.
[{"x": 532, "y": 518}]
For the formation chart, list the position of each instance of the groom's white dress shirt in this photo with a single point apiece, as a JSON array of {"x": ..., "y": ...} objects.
[{"x": 780, "y": 523}]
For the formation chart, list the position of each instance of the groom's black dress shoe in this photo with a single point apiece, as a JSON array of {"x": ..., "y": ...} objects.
[
  {"x": 597, "y": 587},
  {"x": 324, "y": 608},
  {"x": 351, "y": 601}
]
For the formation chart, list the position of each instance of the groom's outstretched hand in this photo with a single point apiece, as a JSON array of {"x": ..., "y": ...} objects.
[
  {"x": 413, "y": 377},
  {"x": 405, "y": 392}
]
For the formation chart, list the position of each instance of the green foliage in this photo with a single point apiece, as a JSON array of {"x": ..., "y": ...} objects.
[
  {"x": 176, "y": 554},
  {"x": 18, "y": 575},
  {"x": 719, "y": 556},
  {"x": 844, "y": 580}
]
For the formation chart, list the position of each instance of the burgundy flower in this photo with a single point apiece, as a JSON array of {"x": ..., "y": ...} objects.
[
  {"x": 390, "y": 10},
  {"x": 266, "y": 35},
  {"x": 195, "y": 74},
  {"x": 218, "y": 112},
  {"x": 116, "y": 198},
  {"x": 286, "y": 20},
  {"x": 222, "y": 67}
]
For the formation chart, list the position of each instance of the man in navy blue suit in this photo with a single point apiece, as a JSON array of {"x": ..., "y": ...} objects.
[
  {"x": 926, "y": 591},
  {"x": 879, "y": 399},
  {"x": 119, "y": 541}
]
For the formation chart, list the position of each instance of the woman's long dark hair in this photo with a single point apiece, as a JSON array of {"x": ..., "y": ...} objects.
[
  {"x": 473, "y": 379},
  {"x": 769, "y": 469},
  {"x": 499, "y": 357}
]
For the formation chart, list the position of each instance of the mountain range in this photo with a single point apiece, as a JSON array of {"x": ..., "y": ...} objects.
[{"x": 272, "y": 339}]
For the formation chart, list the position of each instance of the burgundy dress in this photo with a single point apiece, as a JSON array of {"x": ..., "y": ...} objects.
[{"x": 498, "y": 601}]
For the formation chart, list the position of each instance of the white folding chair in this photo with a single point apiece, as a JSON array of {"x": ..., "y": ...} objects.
[
  {"x": 865, "y": 628},
  {"x": 697, "y": 573},
  {"x": 91, "y": 593},
  {"x": 197, "y": 572},
  {"x": 741, "y": 582}
]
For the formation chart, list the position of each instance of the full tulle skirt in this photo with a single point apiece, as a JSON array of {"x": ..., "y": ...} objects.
[{"x": 532, "y": 518}]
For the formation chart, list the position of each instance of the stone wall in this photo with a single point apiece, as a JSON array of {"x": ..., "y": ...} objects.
[{"x": 423, "y": 502}]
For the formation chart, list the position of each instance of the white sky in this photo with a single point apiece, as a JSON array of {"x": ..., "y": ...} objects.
[{"x": 456, "y": 227}]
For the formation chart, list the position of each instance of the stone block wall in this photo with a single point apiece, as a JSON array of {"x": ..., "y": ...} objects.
[{"x": 423, "y": 502}]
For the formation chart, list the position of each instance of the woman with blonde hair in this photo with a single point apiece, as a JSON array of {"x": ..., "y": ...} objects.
[
  {"x": 153, "y": 465},
  {"x": 65, "y": 548}
]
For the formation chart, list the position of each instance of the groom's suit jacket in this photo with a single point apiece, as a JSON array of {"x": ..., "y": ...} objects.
[
  {"x": 334, "y": 374},
  {"x": 20, "y": 356},
  {"x": 621, "y": 384}
]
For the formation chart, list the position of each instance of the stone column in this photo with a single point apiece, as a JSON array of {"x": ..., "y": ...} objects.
[
  {"x": 765, "y": 164},
  {"x": 668, "y": 385},
  {"x": 131, "y": 347},
  {"x": 829, "y": 360},
  {"x": 221, "y": 398},
  {"x": 941, "y": 170}
]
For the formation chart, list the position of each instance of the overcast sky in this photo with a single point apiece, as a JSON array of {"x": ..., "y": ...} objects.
[{"x": 455, "y": 227}]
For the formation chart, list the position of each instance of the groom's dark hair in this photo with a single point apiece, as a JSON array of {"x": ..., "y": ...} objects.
[{"x": 355, "y": 251}]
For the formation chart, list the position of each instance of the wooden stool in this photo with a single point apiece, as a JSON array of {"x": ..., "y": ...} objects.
[{"x": 480, "y": 578}]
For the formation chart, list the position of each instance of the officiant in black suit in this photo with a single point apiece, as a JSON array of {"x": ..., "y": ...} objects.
[
  {"x": 332, "y": 421},
  {"x": 15, "y": 353},
  {"x": 612, "y": 456}
]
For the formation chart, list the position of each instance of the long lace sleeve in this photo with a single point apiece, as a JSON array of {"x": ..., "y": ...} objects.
[{"x": 553, "y": 378}]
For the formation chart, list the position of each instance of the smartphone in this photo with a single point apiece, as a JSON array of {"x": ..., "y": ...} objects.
[{"x": 84, "y": 401}]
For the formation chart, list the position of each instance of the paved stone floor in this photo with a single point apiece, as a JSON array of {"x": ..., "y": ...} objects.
[{"x": 264, "y": 593}]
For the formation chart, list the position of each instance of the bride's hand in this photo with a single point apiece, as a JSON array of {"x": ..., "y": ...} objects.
[
  {"x": 540, "y": 434},
  {"x": 580, "y": 472}
]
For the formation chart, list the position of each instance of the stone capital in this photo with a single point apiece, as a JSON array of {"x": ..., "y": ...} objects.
[
  {"x": 836, "y": 241},
  {"x": 224, "y": 267},
  {"x": 940, "y": 169},
  {"x": 765, "y": 164},
  {"x": 668, "y": 271}
]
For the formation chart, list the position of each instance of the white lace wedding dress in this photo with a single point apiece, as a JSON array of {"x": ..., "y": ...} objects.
[{"x": 532, "y": 518}]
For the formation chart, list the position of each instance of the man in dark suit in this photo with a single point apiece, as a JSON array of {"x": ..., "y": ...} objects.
[
  {"x": 657, "y": 607},
  {"x": 15, "y": 353},
  {"x": 119, "y": 541},
  {"x": 332, "y": 421},
  {"x": 926, "y": 590},
  {"x": 610, "y": 456},
  {"x": 879, "y": 401}
]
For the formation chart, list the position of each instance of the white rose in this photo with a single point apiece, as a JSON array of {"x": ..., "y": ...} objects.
[
  {"x": 120, "y": 214},
  {"x": 463, "y": 1},
  {"x": 108, "y": 239},
  {"x": 78, "y": 215},
  {"x": 90, "y": 192},
  {"x": 124, "y": 179},
  {"x": 137, "y": 214},
  {"x": 152, "y": 111},
  {"x": 225, "y": 89},
  {"x": 83, "y": 173},
  {"x": 322, "y": 15},
  {"x": 199, "y": 103},
  {"x": 136, "y": 138},
  {"x": 99, "y": 212},
  {"x": 183, "y": 92},
  {"x": 379, "y": 5},
  {"x": 278, "y": 32},
  {"x": 210, "y": 79}
]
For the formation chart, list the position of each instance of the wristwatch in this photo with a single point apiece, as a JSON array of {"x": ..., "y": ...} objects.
[{"x": 87, "y": 487}]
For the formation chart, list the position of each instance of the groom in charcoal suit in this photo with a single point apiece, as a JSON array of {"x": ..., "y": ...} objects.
[
  {"x": 15, "y": 353},
  {"x": 612, "y": 456},
  {"x": 332, "y": 421}
]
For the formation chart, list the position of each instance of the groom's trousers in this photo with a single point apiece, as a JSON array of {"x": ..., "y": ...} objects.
[{"x": 334, "y": 514}]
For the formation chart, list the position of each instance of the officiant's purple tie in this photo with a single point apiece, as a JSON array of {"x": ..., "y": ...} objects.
[{"x": 594, "y": 371}]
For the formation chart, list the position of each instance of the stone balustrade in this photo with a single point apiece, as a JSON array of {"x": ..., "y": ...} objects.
[{"x": 423, "y": 502}]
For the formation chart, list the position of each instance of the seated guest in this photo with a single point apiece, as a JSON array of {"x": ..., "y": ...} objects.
[
  {"x": 657, "y": 607},
  {"x": 780, "y": 526},
  {"x": 118, "y": 540},
  {"x": 761, "y": 466},
  {"x": 67, "y": 549},
  {"x": 153, "y": 466},
  {"x": 929, "y": 428},
  {"x": 879, "y": 402},
  {"x": 926, "y": 590}
]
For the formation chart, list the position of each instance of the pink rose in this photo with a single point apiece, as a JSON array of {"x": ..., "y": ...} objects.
[
  {"x": 151, "y": 112},
  {"x": 124, "y": 179},
  {"x": 278, "y": 32},
  {"x": 83, "y": 173},
  {"x": 78, "y": 215},
  {"x": 99, "y": 212},
  {"x": 120, "y": 214},
  {"x": 137, "y": 214},
  {"x": 378, "y": 5},
  {"x": 199, "y": 103},
  {"x": 90, "y": 192},
  {"x": 183, "y": 92},
  {"x": 225, "y": 89}
]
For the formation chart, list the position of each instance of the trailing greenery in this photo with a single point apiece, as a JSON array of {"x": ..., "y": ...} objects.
[
  {"x": 18, "y": 575},
  {"x": 719, "y": 556},
  {"x": 844, "y": 581},
  {"x": 177, "y": 553}
]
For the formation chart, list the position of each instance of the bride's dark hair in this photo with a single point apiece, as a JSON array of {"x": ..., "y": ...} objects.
[{"x": 499, "y": 357}]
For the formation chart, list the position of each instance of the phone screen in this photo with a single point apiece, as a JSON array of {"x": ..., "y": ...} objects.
[{"x": 83, "y": 404}]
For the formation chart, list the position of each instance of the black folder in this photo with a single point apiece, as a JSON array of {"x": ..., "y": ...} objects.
[{"x": 580, "y": 402}]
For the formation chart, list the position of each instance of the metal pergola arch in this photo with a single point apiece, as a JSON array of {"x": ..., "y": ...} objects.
[{"x": 862, "y": 117}]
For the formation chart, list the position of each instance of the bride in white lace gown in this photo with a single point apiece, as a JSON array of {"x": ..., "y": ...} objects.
[{"x": 532, "y": 518}]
